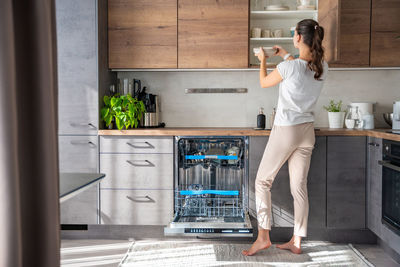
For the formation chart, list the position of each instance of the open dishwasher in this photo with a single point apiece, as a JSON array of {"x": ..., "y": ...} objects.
[{"x": 211, "y": 187}]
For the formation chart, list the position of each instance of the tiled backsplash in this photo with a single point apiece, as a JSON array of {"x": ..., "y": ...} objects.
[{"x": 240, "y": 110}]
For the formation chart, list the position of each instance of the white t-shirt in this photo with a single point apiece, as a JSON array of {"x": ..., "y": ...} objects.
[{"x": 298, "y": 92}]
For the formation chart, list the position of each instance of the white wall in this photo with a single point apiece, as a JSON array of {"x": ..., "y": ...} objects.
[{"x": 240, "y": 110}]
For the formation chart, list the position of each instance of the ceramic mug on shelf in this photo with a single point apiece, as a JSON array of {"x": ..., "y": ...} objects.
[
  {"x": 277, "y": 33},
  {"x": 255, "y": 32},
  {"x": 266, "y": 33}
]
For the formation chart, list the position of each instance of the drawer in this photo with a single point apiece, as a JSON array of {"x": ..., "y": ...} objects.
[
  {"x": 137, "y": 171},
  {"x": 78, "y": 153},
  {"x": 136, "y": 207},
  {"x": 121, "y": 144}
]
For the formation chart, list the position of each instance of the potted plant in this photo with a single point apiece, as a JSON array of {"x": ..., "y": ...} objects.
[
  {"x": 124, "y": 110},
  {"x": 335, "y": 114}
]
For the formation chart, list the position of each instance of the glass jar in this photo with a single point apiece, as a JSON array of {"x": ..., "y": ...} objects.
[{"x": 353, "y": 118}]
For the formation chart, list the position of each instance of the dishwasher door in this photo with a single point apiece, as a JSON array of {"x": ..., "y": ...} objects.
[{"x": 211, "y": 187}]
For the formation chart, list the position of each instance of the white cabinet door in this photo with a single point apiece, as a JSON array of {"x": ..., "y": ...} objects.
[
  {"x": 79, "y": 154},
  {"x": 77, "y": 50}
]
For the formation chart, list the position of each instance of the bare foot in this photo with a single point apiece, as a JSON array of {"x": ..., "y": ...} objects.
[
  {"x": 290, "y": 246},
  {"x": 257, "y": 246}
]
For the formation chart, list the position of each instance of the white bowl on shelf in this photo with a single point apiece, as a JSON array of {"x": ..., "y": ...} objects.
[
  {"x": 310, "y": 7},
  {"x": 276, "y": 8},
  {"x": 268, "y": 50}
]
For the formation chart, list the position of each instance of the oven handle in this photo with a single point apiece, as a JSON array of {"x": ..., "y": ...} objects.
[{"x": 387, "y": 164}]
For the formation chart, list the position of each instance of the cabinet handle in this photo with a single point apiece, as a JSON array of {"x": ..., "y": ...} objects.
[
  {"x": 84, "y": 124},
  {"x": 83, "y": 142},
  {"x": 373, "y": 144},
  {"x": 148, "y": 163},
  {"x": 141, "y": 199},
  {"x": 387, "y": 164},
  {"x": 148, "y": 145}
]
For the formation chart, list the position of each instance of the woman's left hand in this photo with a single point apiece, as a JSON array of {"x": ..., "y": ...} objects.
[{"x": 261, "y": 55}]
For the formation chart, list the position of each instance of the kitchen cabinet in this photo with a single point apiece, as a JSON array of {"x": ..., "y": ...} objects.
[
  {"x": 142, "y": 33},
  {"x": 385, "y": 33},
  {"x": 346, "y": 182},
  {"x": 213, "y": 34},
  {"x": 275, "y": 20},
  {"x": 347, "y": 31},
  {"x": 282, "y": 200},
  {"x": 83, "y": 76},
  {"x": 77, "y": 67},
  {"x": 374, "y": 185},
  {"x": 138, "y": 188},
  {"x": 79, "y": 154}
]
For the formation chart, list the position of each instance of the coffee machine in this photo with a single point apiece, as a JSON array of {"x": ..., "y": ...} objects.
[{"x": 396, "y": 115}]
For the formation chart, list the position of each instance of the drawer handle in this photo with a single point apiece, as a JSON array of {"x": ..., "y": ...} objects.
[
  {"x": 148, "y": 163},
  {"x": 84, "y": 124},
  {"x": 148, "y": 145},
  {"x": 90, "y": 143},
  {"x": 141, "y": 199},
  {"x": 373, "y": 144}
]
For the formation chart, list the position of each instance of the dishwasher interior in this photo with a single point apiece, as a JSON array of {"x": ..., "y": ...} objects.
[{"x": 211, "y": 187}]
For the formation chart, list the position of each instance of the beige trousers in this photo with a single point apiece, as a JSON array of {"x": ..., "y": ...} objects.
[{"x": 295, "y": 144}]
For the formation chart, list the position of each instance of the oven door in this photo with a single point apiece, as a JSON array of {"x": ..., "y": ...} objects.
[{"x": 391, "y": 195}]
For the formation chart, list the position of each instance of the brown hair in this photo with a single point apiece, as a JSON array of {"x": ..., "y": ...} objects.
[{"x": 313, "y": 34}]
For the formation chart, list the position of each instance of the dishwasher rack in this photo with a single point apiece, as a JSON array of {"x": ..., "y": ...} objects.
[{"x": 208, "y": 203}]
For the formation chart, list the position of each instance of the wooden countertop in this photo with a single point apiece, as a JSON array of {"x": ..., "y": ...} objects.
[{"x": 240, "y": 131}]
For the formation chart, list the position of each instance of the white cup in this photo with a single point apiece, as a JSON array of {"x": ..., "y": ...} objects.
[
  {"x": 304, "y": 2},
  {"x": 266, "y": 33},
  {"x": 256, "y": 32},
  {"x": 278, "y": 33}
]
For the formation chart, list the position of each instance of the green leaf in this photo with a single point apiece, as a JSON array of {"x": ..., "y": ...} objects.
[
  {"x": 104, "y": 112},
  {"x": 127, "y": 123},
  {"x": 125, "y": 102},
  {"x": 333, "y": 107},
  {"x": 118, "y": 123},
  {"x": 117, "y": 109},
  {"x": 108, "y": 120},
  {"x": 113, "y": 101},
  {"x": 106, "y": 100}
]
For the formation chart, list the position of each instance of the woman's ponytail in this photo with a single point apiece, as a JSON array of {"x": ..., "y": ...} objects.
[{"x": 313, "y": 34}]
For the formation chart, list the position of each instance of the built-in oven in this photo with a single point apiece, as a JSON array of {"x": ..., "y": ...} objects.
[
  {"x": 391, "y": 184},
  {"x": 210, "y": 187}
]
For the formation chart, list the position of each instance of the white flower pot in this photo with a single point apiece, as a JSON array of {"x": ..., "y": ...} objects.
[{"x": 336, "y": 119}]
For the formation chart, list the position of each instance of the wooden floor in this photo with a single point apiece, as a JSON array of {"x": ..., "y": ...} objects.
[{"x": 96, "y": 252}]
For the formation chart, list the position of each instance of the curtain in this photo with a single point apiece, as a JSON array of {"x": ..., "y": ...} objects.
[{"x": 29, "y": 193}]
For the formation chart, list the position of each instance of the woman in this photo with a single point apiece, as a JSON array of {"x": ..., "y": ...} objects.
[{"x": 292, "y": 137}]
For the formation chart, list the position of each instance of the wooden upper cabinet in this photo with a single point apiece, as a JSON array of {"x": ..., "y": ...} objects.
[
  {"x": 347, "y": 31},
  {"x": 385, "y": 33},
  {"x": 142, "y": 33},
  {"x": 213, "y": 33}
]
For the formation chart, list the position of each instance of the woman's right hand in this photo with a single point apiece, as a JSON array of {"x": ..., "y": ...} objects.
[{"x": 280, "y": 51}]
